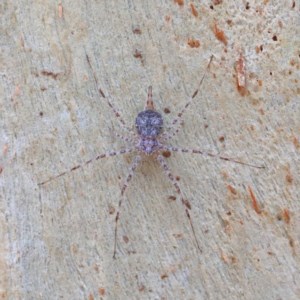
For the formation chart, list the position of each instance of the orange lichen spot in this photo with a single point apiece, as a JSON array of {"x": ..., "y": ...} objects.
[
  {"x": 101, "y": 291},
  {"x": 179, "y": 2},
  {"x": 255, "y": 204},
  {"x": 194, "y": 10},
  {"x": 231, "y": 189},
  {"x": 193, "y": 43},
  {"x": 219, "y": 34},
  {"x": 240, "y": 69},
  {"x": 60, "y": 10}
]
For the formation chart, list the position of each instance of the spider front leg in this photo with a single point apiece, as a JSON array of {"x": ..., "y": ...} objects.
[
  {"x": 132, "y": 169},
  {"x": 185, "y": 203},
  {"x": 177, "y": 122},
  {"x": 108, "y": 100},
  {"x": 107, "y": 154}
]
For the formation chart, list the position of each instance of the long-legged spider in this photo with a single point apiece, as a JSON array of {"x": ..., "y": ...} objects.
[{"x": 150, "y": 140}]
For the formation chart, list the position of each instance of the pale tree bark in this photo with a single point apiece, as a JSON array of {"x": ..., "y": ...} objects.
[{"x": 57, "y": 239}]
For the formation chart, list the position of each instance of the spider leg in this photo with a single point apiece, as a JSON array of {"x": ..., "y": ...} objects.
[
  {"x": 185, "y": 203},
  {"x": 107, "y": 154},
  {"x": 171, "y": 131},
  {"x": 126, "y": 138},
  {"x": 132, "y": 169},
  {"x": 149, "y": 102},
  {"x": 117, "y": 114},
  {"x": 180, "y": 114},
  {"x": 197, "y": 151}
]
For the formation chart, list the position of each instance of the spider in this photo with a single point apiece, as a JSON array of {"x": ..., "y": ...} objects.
[{"x": 150, "y": 140}]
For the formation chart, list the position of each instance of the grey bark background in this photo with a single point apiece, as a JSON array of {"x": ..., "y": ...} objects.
[{"x": 57, "y": 239}]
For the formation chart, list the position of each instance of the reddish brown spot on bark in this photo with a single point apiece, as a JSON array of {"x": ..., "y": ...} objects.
[
  {"x": 167, "y": 18},
  {"x": 179, "y": 2},
  {"x": 221, "y": 138},
  {"x": 240, "y": 69},
  {"x": 194, "y": 10},
  {"x": 219, "y": 34},
  {"x": 193, "y": 43},
  {"x": 172, "y": 198},
  {"x": 101, "y": 291},
  {"x": 166, "y": 110},
  {"x": 111, "y": 209},
  {"x": 50, "y": 74},
  {"x": 217, "y": 2},
  {"x": 177, "y": 178},
  {"x": 91, "y": 297},
  {"x": 286, "y": 216},
  {"x": 138, "y": 54},
  {"x": 274, "y": 38},
  {"x": 5, "y": 149},
  {"x": 229, "y": 22},
  {"x": 296, "y": 142},
  {"x": 163, "y": 276},
  {"x": 178, "y": 236},
  {"x": 255, "y": 204},
  {"x": 260, "y": 82},
  {"x": 141, "y": 288},
  {"x": 136, "y": 31},
  {"x": 166, "y": 153},
  {"x": 125, "y": 239},
  {"x": 289, "y": 178},
  {"x": 231, "y": 189},
  {"x": 60, "y": 10},
  {"x": 1, "y": 169}
]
